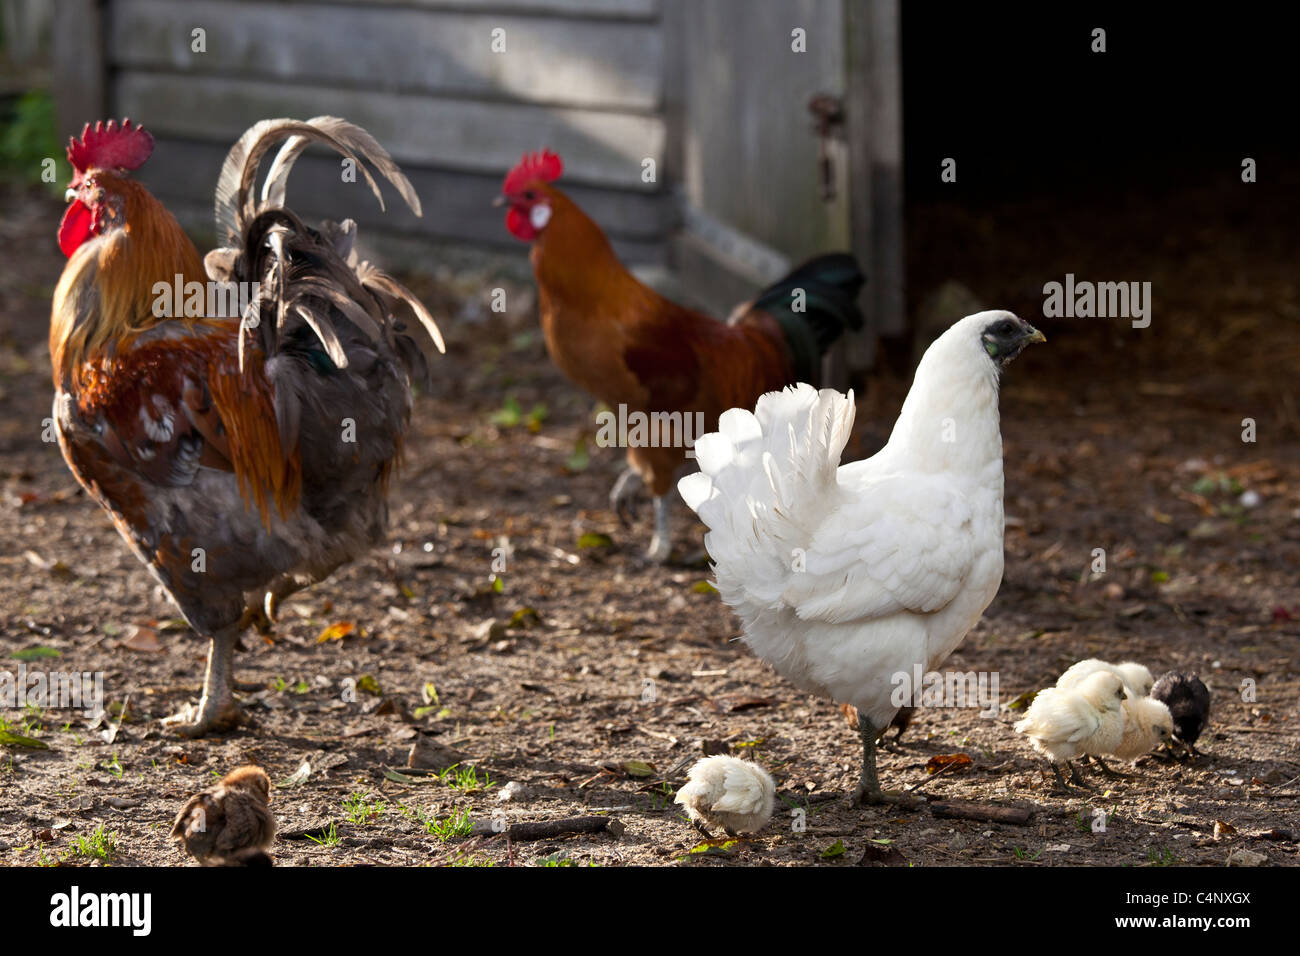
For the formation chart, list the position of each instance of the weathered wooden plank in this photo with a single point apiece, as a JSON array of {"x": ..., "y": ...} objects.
[
  {"x": 875, "y": 131},
  {"x": 709, "y": 280},
  {"x": 605, "y": 64},
  {"x": 78, "y": 66},
  {"x": 457, "y": 205},
  {"x": 617, "y": 9},
  {"x": 27, "y": 34},
  {"x": 413, "y": 251},
  {"x": 599, "y": 148},
  {"x": 751, "y": 157}
]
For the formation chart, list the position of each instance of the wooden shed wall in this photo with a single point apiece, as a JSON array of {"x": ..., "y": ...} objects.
[
  {"x": 584, "y": 77},
  {"x": 710, "y": 90}
]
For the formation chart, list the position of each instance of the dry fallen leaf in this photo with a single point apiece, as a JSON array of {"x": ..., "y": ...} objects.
[
  {"x": 143, "y": 639},
  {"x": 945, "y": 761},
  {"x": 875, "y": 854},
  {"x": 1023, "y": 701},
  {"x": 735, "y": 704},
  {"x": 336, "y": 632},
  {"x": 298, "y": 777}
]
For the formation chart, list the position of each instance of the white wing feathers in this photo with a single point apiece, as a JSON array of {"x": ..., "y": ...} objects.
[
  {"x": 788, "y": 526},
  {"x": 902, "y": 543}
]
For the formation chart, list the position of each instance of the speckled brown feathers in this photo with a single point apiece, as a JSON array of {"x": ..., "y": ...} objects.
[
  {"x": 229, "y": 824},
  {"x": 241, "y": 457}
]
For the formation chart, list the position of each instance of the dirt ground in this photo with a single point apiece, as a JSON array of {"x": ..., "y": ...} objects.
[{"x": 1115, "y": 438}]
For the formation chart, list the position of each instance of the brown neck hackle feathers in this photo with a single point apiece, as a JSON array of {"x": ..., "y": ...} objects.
[{"x": 147, "y": 248}]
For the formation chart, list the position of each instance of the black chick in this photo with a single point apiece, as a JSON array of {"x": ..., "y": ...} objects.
[{"x": 1188, "y": 700}]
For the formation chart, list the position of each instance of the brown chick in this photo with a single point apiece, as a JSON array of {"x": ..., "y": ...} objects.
[{"x": 229, "y": 824}]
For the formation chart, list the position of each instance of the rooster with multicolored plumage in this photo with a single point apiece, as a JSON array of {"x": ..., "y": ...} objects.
[{"x": 241, "y": 456}]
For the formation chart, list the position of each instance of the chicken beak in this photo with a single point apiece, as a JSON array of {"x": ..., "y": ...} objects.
[
  {"x": 1035, "y": 336},
  {"x": 499, "y": 201}
]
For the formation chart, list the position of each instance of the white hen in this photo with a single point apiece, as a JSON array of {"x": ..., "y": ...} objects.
[
  {"x": 1085, "y": 719},
  {"x": 845, "y": 577},
  {"x": 737, "y": 795}
]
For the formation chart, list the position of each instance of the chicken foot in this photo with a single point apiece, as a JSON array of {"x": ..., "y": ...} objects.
[
  {"x": 256, "y": 617},
  {"x": 623, "y": 493},
  {"x": 1062, "y": 787},
  {"x": 868, "y": 791},
  {"x": 621, "y": 497},
  {"x": 1107, "y": 770},
  {"x": 216, "y": 709}
]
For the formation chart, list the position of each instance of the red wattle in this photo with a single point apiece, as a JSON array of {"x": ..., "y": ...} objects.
[
  {"x": 519, "y": 226},
  {"x": 75, "y": 228}
]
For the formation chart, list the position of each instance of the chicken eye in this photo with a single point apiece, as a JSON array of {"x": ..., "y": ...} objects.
[
  {"x": 1005, "y": 328},
  {"x": 529, "y": 195}
]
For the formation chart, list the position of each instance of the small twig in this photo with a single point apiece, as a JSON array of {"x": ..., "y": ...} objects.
[
  {"x": 938, "y": 773},
  {"x": 459, "y": 850},
  {"x": 1255, "y": 730}
]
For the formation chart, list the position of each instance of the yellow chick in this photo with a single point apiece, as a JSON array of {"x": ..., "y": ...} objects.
[
  {"x": 1063, "y": 724},
  {"x": 1147, "y": 724},
  {"x": 737, "y": 795},
  {"x": 1135, "y": 676}
]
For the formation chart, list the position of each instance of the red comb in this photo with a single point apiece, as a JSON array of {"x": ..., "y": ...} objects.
[
  {"x": 109, "y": 146},
  {"x": 543, "y": 165}
]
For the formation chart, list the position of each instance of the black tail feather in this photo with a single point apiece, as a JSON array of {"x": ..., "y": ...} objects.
[{"x": 814, "y": 305}]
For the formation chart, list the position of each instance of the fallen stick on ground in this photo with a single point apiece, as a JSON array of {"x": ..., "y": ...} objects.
[
  {"x": 1285, "y": 836},
  {"x": 965, "y": 810},
  {"x": 546, "y": 829},
  {"x": 1247, "y": 729}
]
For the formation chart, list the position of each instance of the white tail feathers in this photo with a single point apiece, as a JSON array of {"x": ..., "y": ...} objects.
[
  {"x": 739, "y": 426},
  {"x": 765, "y": 481}
]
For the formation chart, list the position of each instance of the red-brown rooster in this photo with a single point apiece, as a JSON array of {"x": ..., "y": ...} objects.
[
  {"x": 241, "y": 456},
  {"x": 627, "y": 345}
]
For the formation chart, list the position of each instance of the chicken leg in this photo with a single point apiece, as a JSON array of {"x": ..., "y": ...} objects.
[
  {"x": 217, "y": 709},
  {"x": 868, "y": 791},
  {"x": 1107, "y": 771},
  {"x": 1062, "y": 788},
  {"x": 661, "y": 545},
  {"x": 620, "y": 496}
]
